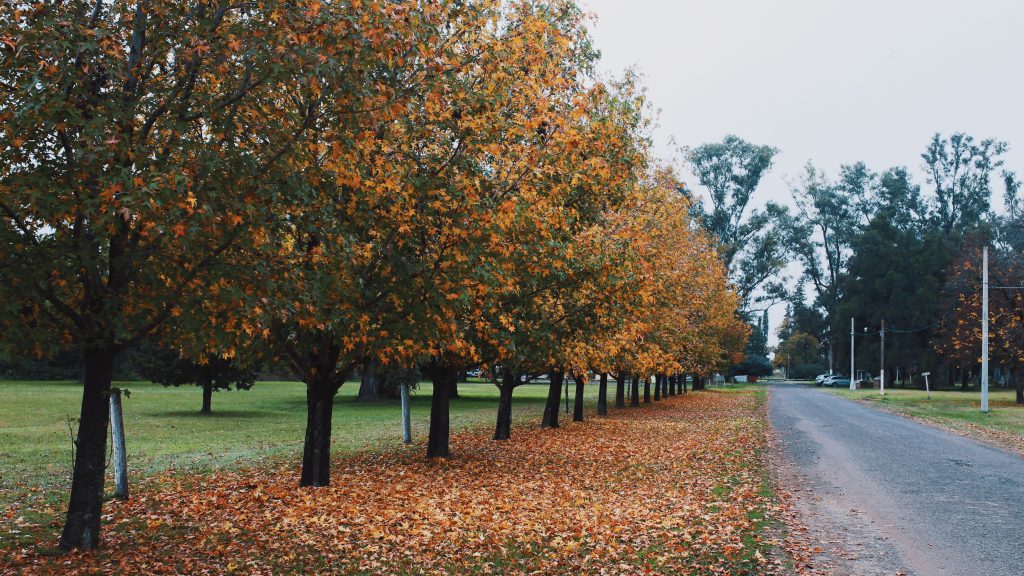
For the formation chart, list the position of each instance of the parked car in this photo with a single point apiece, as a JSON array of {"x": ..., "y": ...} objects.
[
  {"x": 827, "y": 378},
  {"x": 821, "y": 378},
  {"x": 838, "y": 382}
]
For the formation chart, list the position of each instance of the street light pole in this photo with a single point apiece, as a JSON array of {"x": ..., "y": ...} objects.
[
  {"x": 984, "y": 332},
  {"x": 853, "y": 337},
  {"x": 882, "y": 373}
]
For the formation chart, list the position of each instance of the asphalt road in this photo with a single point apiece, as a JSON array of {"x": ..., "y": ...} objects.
[{"x": 888, "y": 495}]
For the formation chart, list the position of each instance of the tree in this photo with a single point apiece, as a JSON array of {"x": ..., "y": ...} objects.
[
  {"x": 140, "y": 153},
  {"x": 831, "y": 218},
  {"x": 961, "y": 172},
  {"x": 898, "y": 199},
  {"x": 894, "y": 275},
  {"x": 959, "y": 335},
  {"x": 752, "y": 246},
  {"x": 754, "y": 366},
  {"x": 166, "y": 367},
  {"x": 800, "y": 355},
  {"x": 379, "y": 262}
]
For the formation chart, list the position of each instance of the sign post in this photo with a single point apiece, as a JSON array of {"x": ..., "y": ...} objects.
[{"x": 927, "y": 389}]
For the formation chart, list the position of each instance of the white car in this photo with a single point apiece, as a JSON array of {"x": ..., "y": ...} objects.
[{"x": 820, "y": 379}]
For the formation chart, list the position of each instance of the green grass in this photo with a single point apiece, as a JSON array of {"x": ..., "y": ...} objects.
[
  {"x": 165, "y": 431},
  {"x": 948, "y": 407}
]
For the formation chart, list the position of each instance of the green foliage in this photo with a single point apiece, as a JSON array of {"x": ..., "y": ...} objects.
[
  {"x": 65, "y": 365},
  {"x": 752, "y": 245},
  {"x": 799, "y": 349},
  {"x": 961, "y": 172},
  {"x": 897, "y": 276},
  {"x": 753, "y": 365},
  {"x": 393, "y": 378},
  {"x": 166, "y": 367},
  {"x": 873, "y": 247},
  {"x": 757, "y": 344}
]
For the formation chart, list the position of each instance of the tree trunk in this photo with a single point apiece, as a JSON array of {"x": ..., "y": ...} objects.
[
  {"x": 634, "y": 393},
  {"x": 453, "y": 388},
  {"x": 620, "y": 390},
  {"x": 698, "y": 382},
  {"x": 503, "y": 428},
  {"x": 657, "y": 387},
  {"x": 369, "y": 381},
  {"x": 316, "y": 454},
  {"x": 550, "y": 419},
  {"x": 963, "y": 378},
  {"x": 602, "y": 395},
  {"x": 647, "y": 389},
  {"x": 682, "y": 378},
  {"x": 443, "y": 377},
  {"x": 672, "y": 381},
  {"x": 207, "y": 397},
  {"x": 82, "y": 524},
  {"x": 577, "y": 405}
]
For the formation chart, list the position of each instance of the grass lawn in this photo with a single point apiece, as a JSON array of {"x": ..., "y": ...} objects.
[
  {"x": 956, "y": 410},
  {"x": 675, "y": 487},
  {"x": 165, "y": 431}
]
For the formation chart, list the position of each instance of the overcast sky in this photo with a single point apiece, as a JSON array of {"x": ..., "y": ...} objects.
[{"x": 833, "y": 81}]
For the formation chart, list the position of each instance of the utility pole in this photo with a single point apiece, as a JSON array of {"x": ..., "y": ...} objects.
[
  {"x": 830, "y": 353},
  {"x": 881, "y": 375},
  {"x": 853, "y": 335},
  {"x": 984, "y": 332}
]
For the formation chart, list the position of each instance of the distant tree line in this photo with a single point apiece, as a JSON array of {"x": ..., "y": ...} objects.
[{"x": 877, "y": 246}]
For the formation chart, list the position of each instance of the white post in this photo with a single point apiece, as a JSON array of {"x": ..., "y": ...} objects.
[
  {"x": 881, "y": 375},
  {"x": 984, "y": 333},
  {"x": 406, "y": 424},
  {"x": 830, "y": 354},
  {"x": 566, "y": 393},
  {"x": 927, "y": 389},
  {"x": 117, "y": 438},
  {"x": 853, "y": 385}
]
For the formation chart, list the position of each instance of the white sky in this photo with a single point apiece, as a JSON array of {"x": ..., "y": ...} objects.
[{"x": 833, "y": 81}]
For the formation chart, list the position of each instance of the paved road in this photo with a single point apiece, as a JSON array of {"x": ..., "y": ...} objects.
[{"x": 892, "y": 495}]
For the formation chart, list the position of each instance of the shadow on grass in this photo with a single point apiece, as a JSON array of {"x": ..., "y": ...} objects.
[{"x": 215, "y": 415}]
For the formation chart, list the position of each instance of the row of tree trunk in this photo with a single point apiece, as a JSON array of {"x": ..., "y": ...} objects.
[{"x": 443, "y": 379}]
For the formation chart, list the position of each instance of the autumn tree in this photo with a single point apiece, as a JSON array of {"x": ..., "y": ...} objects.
[
  {"x": 800, "y": 355},
  {"x": 140, "y": 152},
  {"x": 682, "y": 312},
  {"x": 367, "y": 268},
  {"x": 959, "y": 335}
]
